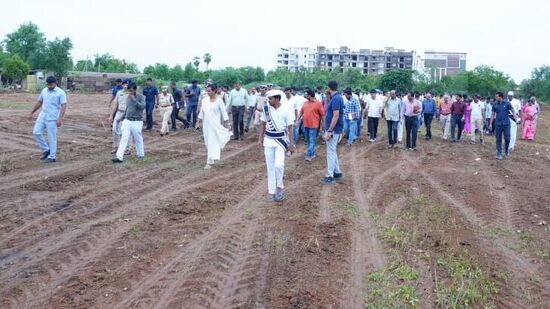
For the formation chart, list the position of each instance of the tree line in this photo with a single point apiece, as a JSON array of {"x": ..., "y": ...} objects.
[{"x": 27, "y": 48}]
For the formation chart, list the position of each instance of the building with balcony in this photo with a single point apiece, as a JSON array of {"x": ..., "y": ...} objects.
[
  {"x": 368, "y": 61},
  {"x": 439, "y": 64}
]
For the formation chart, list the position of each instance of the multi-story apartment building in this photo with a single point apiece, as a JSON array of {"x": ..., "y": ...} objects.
[
  {"x": 295, "y": 57},
  {"x": 368, "y": 61},
  {"x": 439, "y": 64}
]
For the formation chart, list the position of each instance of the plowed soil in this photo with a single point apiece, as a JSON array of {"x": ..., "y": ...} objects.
[{"x": 446, "y": 226}]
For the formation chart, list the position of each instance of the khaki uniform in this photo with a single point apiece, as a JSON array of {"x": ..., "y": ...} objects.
[
  {"x": 120, "y": 102},
  {"x": 261, "y": 101},
  {"x": 165, "y": 106}
]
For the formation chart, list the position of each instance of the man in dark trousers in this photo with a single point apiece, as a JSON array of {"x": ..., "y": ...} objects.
[
  {"x": 151, "y": 94},
  {"x": 177, "y": 94},
  {"x": 500, "y": 119},
  {"x": 457, "y": 114},
  {"x": 192, "y": 94}
]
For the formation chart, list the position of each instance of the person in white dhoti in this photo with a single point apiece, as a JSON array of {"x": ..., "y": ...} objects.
[
  {"x": 276, "y": 137},
  {"x": 514, "y": 120},
  {"x": 215, "y": 134}
]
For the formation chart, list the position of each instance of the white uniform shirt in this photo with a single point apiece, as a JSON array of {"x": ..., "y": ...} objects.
[
  {"x": 478, "y": 109},
  {"x": 282, "y": 117},
  {"x": 374, "y": 106}
]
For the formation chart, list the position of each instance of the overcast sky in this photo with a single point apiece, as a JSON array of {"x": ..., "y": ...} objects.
[{"x": 512, "y": 36}]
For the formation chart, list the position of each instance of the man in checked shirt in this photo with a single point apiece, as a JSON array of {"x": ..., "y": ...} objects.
[{"x": 352, "y": 113}]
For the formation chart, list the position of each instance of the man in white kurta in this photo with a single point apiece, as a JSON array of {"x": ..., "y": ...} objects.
[
  {"x": 276, "y": 137},
  {"x": 516, "y": 104}
]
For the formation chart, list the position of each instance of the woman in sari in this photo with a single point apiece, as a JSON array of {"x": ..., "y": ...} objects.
[
  {"x": 529, "y": 113},
  {"x": 215, "y": 134}
]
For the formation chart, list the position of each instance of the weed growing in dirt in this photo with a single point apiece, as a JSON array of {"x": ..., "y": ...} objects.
[
  {"x": 203, "y": 198},
  {"x": 464, "y": 283},
  {"x": 460, "y": 282},
  {"x": 393, "y": 287}
]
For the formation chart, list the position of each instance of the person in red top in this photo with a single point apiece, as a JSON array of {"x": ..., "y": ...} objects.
[
  {"x": 457, "y": 114},
  {"x": 445, "y": 115},
  {"x": 312, "y": 113}
]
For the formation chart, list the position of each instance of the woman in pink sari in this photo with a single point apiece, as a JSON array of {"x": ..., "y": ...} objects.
[
  {"x": 467, "y": 114},
  {"x": 529, "y": 112}
]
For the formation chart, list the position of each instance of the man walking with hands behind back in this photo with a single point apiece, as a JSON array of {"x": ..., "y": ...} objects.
[
  {"x": 53, "y": 102},
  {"x": 334, "y": 124}
]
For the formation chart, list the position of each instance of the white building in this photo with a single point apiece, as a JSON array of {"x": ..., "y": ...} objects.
[
  {"x": 295, "y": 57},
  {"x": 439, "y": 64}
]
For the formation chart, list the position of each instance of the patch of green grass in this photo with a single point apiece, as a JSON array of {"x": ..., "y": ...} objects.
[
  {"x": 420, "y": 200},
  {"x": 393, "y": 287},
  {"x": 464, "y": 283},
  {"x": 203, "y": 198},
  {"x": 135, "y": 229},
  {"x": 13, "y": 105},
  {"x": 395, "y": 235}
]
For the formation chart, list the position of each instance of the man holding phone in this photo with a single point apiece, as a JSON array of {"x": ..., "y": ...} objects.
[
  {"x": 334, "y": 123},
  {"x": 132, "y": 124}
]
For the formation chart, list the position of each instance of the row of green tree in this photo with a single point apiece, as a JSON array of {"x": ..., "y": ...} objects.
[{"x": 27, "y": 48}]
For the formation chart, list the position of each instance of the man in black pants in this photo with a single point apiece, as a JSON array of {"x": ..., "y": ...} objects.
[
  {"x": 411, "y": 109},
  {"x": 238, "y": 98},
  {"x": 178, "y": 99},
  {"x": 500, "y": 119},
  {"x": 457, "y": 114},
  {"x": 428, "y": 110}
]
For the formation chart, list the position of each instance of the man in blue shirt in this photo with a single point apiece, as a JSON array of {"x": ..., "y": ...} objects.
[
  {"x": 151, "y": 94},
  {"x": 334, "y": 123},
  {"x": 500, "y": 119},
  {"x": 428, "y": 110},
  {"x": 192, "y": 94},
  {"x": 53, "y": 101}
]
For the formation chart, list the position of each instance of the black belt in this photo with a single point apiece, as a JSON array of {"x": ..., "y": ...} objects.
[
  {"x": 134, "y": 118},
  {"x": 274, "y": 134}
]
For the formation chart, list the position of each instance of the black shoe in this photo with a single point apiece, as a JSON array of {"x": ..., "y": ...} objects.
[
  {"x": 327, "y": 181},
  {"x": 116, "y": 160},
  {"x": 44, "y": 155},
  {"x": 241, "y": 137},
  {"x": 246, "y": 130},
  {"x": 49, "y": 160},
  {"x": 338, "y": 176},
  {"x": 234, "y": 138}
]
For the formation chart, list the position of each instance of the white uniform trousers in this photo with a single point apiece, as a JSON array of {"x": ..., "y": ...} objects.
[
  {"x": 275, "y": 161},
  {"x": 513, "y": 134},
  {"x": 132, "y": 128}
]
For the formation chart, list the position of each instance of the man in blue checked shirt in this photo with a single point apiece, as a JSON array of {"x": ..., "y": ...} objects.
[{"x": 352, "y": 113}]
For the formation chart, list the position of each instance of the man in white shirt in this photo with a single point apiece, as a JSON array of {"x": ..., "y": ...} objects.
[
  {"x": 276, "y": 137},
  {"x": 250, "y": 107},
  {"x": 295, "y": 103},
  {"x": 516, "y": 104},
  {"x": 373, "y": 109},
  {"x": 476, "y": 119}
]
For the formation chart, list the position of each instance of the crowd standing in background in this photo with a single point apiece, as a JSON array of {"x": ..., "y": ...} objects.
[{"x": 280, "y": 119}]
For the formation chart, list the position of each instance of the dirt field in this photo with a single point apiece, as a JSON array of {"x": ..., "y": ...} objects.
[{"x": 446, "y": 226}]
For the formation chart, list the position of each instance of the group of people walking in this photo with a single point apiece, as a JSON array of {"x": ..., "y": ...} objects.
[{"x": 280, "y": 118}]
